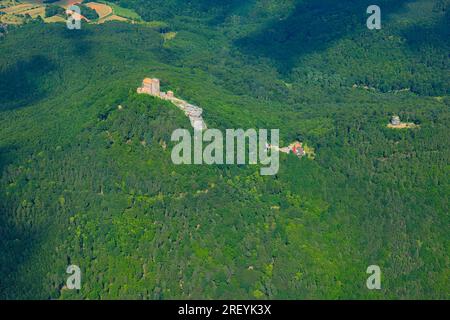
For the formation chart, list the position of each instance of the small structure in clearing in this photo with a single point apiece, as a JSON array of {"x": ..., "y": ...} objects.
[
  {"x": 395, "y": 120},
  {"x": 194, "y": 113},
  {"x": 396, "y": 123}
]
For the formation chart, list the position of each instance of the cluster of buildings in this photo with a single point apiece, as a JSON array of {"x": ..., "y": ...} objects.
[
  {"x": 194, "y": 113},
  {"x": 295, "y": 147}
]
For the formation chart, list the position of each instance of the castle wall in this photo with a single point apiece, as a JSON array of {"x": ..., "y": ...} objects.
[{"x": 194, "y": 113}]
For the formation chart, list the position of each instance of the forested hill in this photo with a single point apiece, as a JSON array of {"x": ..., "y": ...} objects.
[{"x": 86, "y": 182}]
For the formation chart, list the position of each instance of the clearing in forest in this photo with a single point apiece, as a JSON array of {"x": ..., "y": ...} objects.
[{"x": 403, "y": 125}]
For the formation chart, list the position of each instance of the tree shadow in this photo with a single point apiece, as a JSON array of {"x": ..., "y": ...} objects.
[
  {"x": 313, "y": 26},
  {"x": 430, "y": 43},
  {"x": 17, "y": 246},
  {"x": 26, "y": 272},
  {"x": 80, "y": 43},
  {"x": 215, "y": 10},
  {"x": 20, "y": 83},
  {"x": 16, "y": 242},
  {"x": 436, "y": 35}
]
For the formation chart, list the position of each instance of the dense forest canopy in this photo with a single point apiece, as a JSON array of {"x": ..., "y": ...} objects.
[{"x": 86, "y": 182}]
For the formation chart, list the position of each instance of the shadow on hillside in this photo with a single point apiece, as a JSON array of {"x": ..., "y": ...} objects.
[
  {"x": 80, "y": 44},
  {"x": 430, "y": 43},
  {"x": 215, "y": 10},
  {"x": 436, "y": 35},
  {"x": 7, "y": 156},
  {"x": 21, "y": 83},
  {"x": 313, "y": 26},
  {"x": 22, "y": 233},
  {"x": 15, "y": 245}
]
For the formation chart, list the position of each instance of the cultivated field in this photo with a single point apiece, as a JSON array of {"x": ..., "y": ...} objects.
[
  {"x": 67, "y": 3},
  {"x": 109, "y": 13},
  {"x": 33, "y": 1},
  {"x": 102, "y": 10},
  {"x": 54, "y": 19},
  {"x": 18, "y": 9},
  {"x": 13, "y": 12},
  {"x": 123, "y": 12},
  {"x": 39, "y": 11},
  {"x": 61, "y": 3},
  {"x": 112, "y": 18}
]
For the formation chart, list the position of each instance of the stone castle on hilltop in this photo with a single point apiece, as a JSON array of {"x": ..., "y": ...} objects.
[
  {"x": 194, "y": 113},
  {"x": 150, "y": 86}
]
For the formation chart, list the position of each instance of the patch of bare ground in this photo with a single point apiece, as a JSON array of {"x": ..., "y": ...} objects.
[{"x": 403, "y": 125}]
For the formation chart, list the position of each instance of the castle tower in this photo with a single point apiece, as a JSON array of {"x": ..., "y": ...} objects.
[
  {"x": 151, "y": 86},
  {"x": 156, "y": 87},
  {"x": 395, "y": 120}
]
